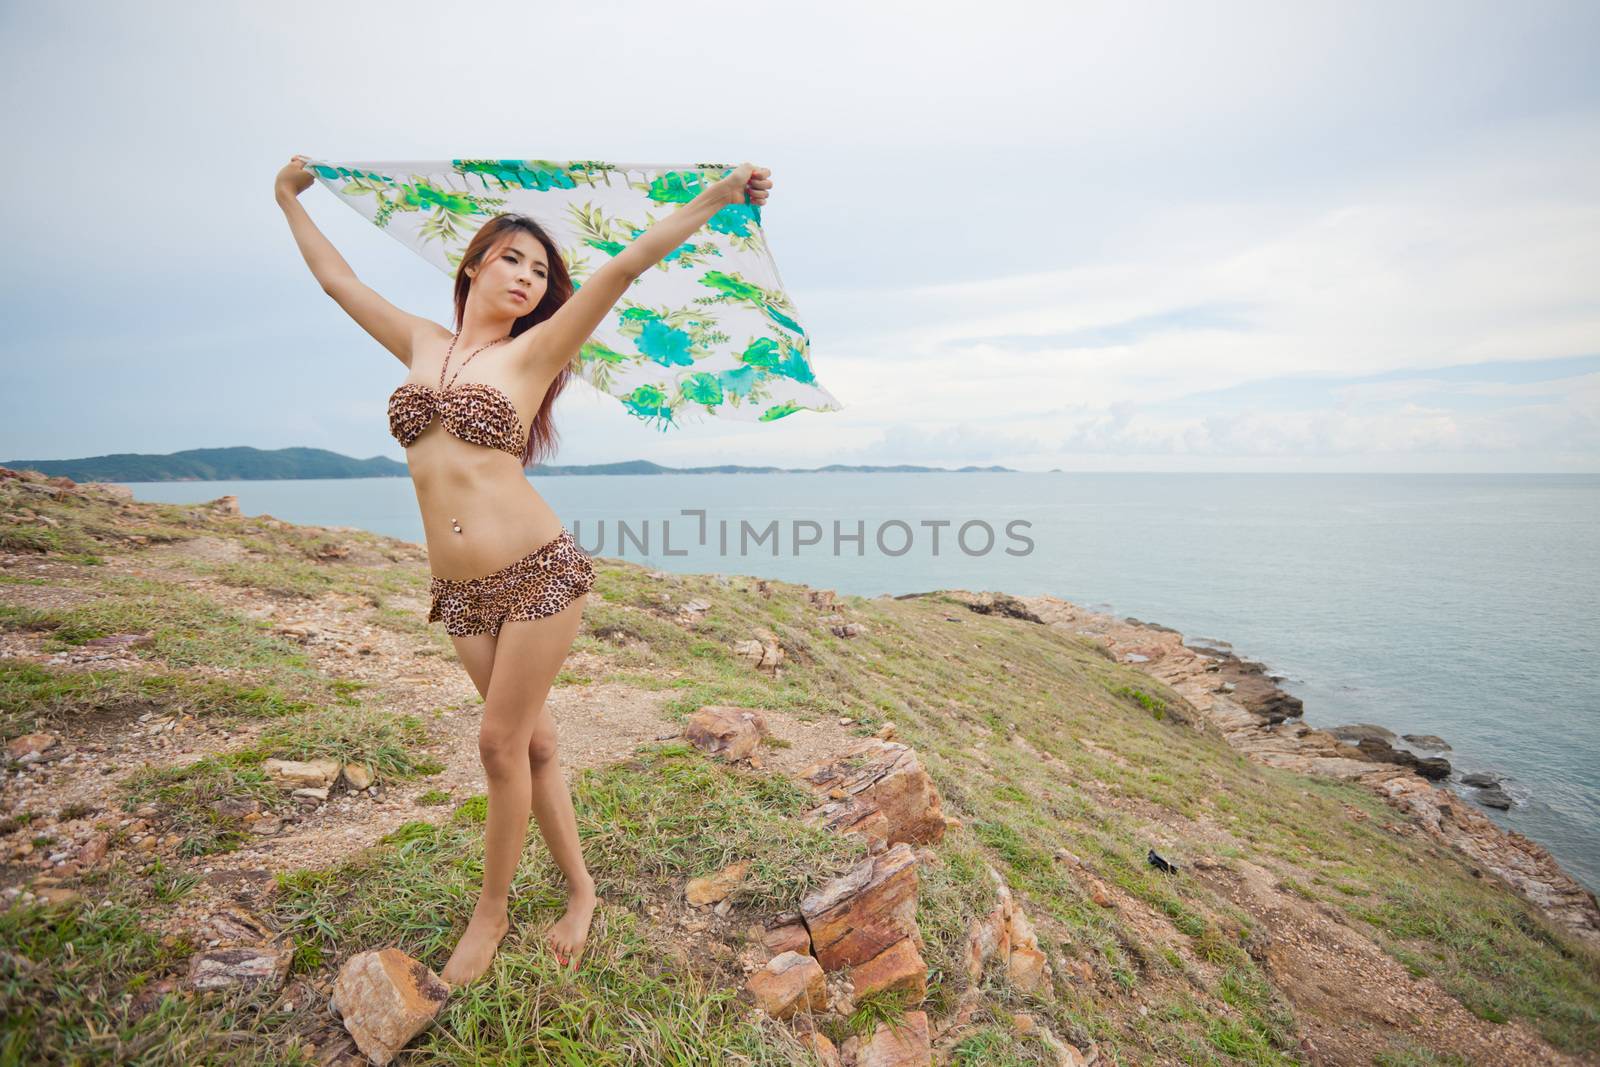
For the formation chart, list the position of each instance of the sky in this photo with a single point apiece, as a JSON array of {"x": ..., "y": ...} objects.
[{"x": 1125, "y": 236}]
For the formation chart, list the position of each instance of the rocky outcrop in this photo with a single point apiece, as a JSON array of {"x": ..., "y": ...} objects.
[
  {"x": 880, "y": 790},
  {"x": 1232, "y": 695}
]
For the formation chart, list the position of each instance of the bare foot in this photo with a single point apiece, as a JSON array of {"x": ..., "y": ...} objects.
[
  {"x": 567, "y": 935},
  {"x": 475, "y": 951}
]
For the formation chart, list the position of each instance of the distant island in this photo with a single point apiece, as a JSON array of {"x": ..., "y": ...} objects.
[{"x": 246, "y": 464}]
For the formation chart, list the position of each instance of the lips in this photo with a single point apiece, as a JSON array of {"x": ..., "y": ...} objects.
[{"x": 519, "y": 294}]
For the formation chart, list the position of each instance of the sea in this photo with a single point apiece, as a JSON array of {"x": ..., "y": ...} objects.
[{"x": 1463, "y": 605}]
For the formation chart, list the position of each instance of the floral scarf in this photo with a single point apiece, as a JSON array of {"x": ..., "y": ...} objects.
[{"x": 707, "y": 331}]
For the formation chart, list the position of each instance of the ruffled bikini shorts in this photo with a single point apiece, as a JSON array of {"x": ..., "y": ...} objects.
[{"x": 541, "y": 583}]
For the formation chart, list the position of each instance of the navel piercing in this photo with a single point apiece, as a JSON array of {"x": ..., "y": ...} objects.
[{"x": 456, "y": 526}]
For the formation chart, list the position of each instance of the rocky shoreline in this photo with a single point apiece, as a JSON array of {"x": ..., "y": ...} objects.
[{"x": 1242, "y": 701}]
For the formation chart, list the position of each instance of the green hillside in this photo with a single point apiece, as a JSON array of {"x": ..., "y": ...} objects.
[
  {"x": 1308, "y": 922},
  {"x": 214, "y": 464}
]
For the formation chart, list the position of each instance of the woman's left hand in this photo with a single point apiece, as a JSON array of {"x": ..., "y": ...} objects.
[{"x": 748, "y": 184}]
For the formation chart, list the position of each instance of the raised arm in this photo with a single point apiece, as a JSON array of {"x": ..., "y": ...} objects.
[
  {"x": 394, "y": 329},
  {"x": 557, "y": 341}
]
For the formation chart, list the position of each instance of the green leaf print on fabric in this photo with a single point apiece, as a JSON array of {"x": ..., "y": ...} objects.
[
  {"x": 737, "y": 220},
  {"x": 664, "y": 344},
  {"x": 778, "y": 411},
  {"x": 649, "y": 403},
  {"x": 739, "y": 381},
  {"x": 537, "y": 174},
  {"x": 676, "y": 187},
  {"x": 702, "y": 388}
]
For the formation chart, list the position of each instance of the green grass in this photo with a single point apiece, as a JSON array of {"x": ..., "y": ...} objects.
[
  {"x": 36, "y": 697},
  {"x": 646, "y": 825}
]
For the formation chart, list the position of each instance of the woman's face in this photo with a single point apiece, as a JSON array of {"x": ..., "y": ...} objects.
[{"x": 514, "y": 279}]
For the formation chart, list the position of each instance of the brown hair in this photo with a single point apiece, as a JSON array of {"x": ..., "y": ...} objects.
[{"x": 490, "y": 240}]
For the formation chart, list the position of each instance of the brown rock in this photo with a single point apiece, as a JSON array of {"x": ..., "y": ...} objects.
[
  {"x": 1026, "y": 965},
  {"x": 899, "y": 966},
  {"x": 902, "y": 1045},
  {"x": 311, "y": 774},
  {"x": 789, "y": 983},
  {"x": 29, "y": 748},
  {"x": 244, "y": 967},
  {"x": 886, "y": 795},
  {"x": 763, "y": 652},
  {"x": 790, "y": 937},
  {"x": 357, "y": 776},
  {"x": 990, "y": 935},
  {"x": 728, "y": 732},
  {"x": 822, "y": 1048},
  {"x": 712, "y": 888},
  {"x": 385, "y": 999},
  {"x": 93, "y": 850},
  {"x": 861, "y": 913}
]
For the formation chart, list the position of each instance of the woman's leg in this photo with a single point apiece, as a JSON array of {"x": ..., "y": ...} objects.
[{"x": 527, "y": 656}]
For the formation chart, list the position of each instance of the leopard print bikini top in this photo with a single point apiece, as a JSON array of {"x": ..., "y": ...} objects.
[{"x": 476, "y": 413}]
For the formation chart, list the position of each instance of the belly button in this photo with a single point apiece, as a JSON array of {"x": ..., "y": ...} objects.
[{"x": 456, "y": 526}]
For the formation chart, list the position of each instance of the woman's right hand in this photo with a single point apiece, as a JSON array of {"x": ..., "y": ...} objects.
[{"x": 293, "y": 179}]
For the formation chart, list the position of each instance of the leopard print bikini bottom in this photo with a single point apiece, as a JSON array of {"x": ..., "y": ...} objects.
[{"x": 541, "y": 583}]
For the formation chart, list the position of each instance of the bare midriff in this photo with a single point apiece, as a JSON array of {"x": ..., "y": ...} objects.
[{"x": 487, "y": 493}]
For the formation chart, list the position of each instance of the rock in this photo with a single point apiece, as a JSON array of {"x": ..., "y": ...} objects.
[
  {"x": 93, "y": 850},
  {"x": 237, "y": 807},
  {"x": 30, "y": 748},
  {"x": 990, "y": 934},
  {"x": 1026, "y": 965},
  {"x": 357, "y": 776},
  {"x": 1363, "y": 731},
  {"x": 856, "y": 916},
  {"x": 729, "y": 732},
  {"x": 236, "y": 924},
  {"x": 900, "y": 966},
  {"x": 763, "y": 651},
  {"x": 1432, "y": 742},
  {"x": 885, "y": 732},
  {"x": 312, "y": 774},
  {"x": 789, "y": 937},
  {"x": 227, "y": 505},
  {"x": 712, "y": 888},
  {"x": 881, "y": 791},
  {"x": 822, "y": 1048},
  {"x": 848, "y": 629},
  {"x": 243, "y": 967},
  {"x": 385, "y": 998},
  {"x": 266, "y": 827},
  {"x": 790, "y": 982},
  {"x": 1062, "y": 1053},
  {"x": 310, "y": 793},
  {"x": 1480, "y": 779},
  {"x": 1435, "y": 768},
  {"x": 130, "y": 640},
  {"x": 1494, "y": 797},
  {"x": 904, "y": 1044},
  {"x": 57, "y": 896}
]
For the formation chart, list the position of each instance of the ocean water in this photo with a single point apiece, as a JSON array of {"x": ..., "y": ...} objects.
[{"x": 1461, "y": 605}]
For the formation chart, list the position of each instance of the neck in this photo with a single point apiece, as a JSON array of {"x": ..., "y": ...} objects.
[{"x": 480, "y": 329}]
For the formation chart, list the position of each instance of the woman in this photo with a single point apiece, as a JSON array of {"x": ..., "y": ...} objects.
[{"x": 508, "y": 580}]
